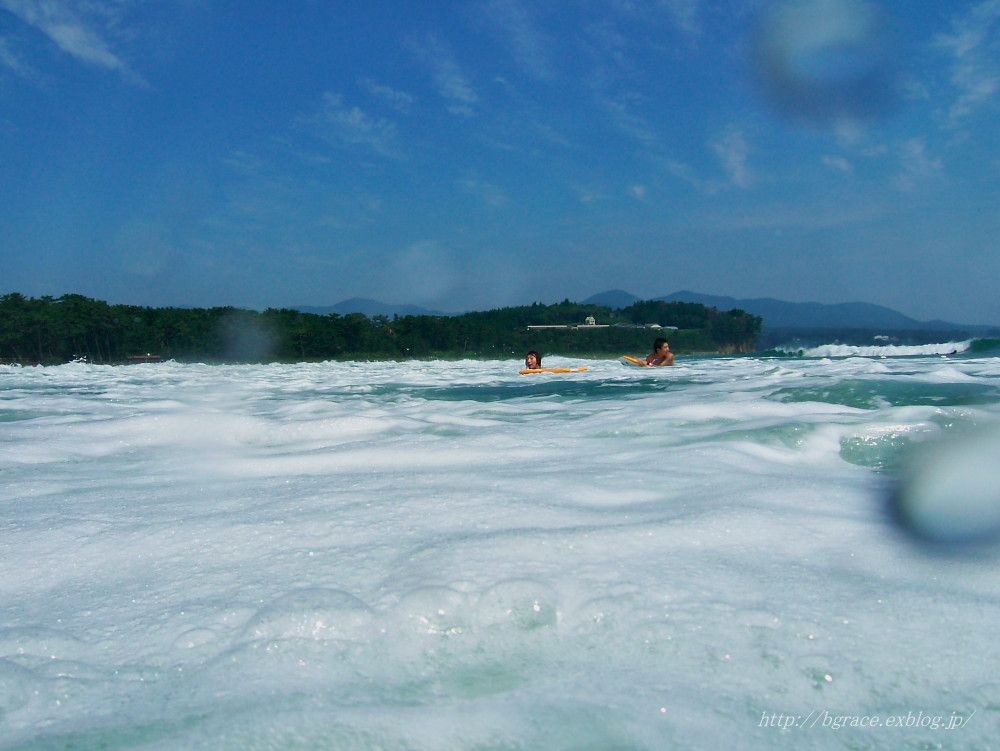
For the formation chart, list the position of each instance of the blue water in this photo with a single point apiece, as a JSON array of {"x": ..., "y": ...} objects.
[{"x": 440, "y": 555}]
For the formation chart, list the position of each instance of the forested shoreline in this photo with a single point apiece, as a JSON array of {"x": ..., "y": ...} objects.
[{"x": 51, "y": 330}]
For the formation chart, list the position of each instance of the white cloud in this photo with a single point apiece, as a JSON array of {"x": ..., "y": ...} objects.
[
  {"x": 977, "y": 87},
  {"x": 687, "y": 174},
  {"x": 848, "y": 131},
  {"x": 838, "y": 163},
  {"x": 398, "y": 100},
  {"x": 629, "y": 123},
  {"x": 350, "y": 126},
  {"x": 519, "y": 31},
  {"x": 490, "y": 194},
  {"x": 683, "y": 15},
  {"x": 71, "y": 27},
  {"x": 637, "y": 192},
  {"x": 973, "y": 44},
  {"x": 608, "y": 48},
  {"x": 732, "y": 150},
  {"x": 914, "y": 90},
  {"x": 11, "y": 60},
  {"x": 587, "y": 195},
  {"x": 550, "y": 135},
  {"x": 448, "y": 77},
  {"x": 244, "y": 163},
  {"x": 915, "y": 164}
]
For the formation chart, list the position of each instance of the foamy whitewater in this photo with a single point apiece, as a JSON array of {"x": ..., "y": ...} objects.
[{"x": 447, "y": 555}]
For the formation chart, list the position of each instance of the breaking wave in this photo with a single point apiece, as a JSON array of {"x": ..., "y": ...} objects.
[{"x": 879, "y": 350}]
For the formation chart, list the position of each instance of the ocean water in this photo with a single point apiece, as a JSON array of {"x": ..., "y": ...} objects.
[{"x": 447, "y": 555}]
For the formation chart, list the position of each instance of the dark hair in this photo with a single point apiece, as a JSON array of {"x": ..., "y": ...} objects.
[
  {"x": 538, "y": 358},
  {"x": 659, "y": 343}
]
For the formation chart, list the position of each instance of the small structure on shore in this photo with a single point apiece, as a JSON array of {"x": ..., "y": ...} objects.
[
  {"x": 135, "y": 359},
  {"x": 588, "y": 323}
]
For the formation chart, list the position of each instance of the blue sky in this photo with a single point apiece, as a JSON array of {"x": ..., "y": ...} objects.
[{"x": 494, "y": 152}]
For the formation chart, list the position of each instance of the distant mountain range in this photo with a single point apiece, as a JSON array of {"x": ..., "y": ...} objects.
[
  {"x": 613, "y": 298},
  {"x": 777, "y": 314},
  {"x": 369, "y": 308}
]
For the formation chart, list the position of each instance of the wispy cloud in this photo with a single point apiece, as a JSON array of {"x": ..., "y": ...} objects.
[
  {"x": 975, "y": 72},
  {"x": 550, "y": 135},
  {"x": 683, "y": 15},
  {"x": 732, "y": 150},
  {"x": 448, "y": 77},
  {"x": 398, "y": 100},
  {"x": 848, "y": 132},
  {"x": 618, "y": 43},
  {"x": 587, "y": 195},
  {"x": 838, "y": 163},
  {"x": 630, "y": 123},
  {"x": 915, "y": 164},
  {"x": 638, "y": 192},
  {"x": 72, "y": 28},
  {"x": 528, "y": 46},
  {"x": 490, "y": 194},
  {"x": 685, "y": 172},
  {"x": 730, "y": 147},
  {"x": 244, "y": 163},
  {"x": 14, "y": 62},
  {"x": 351, "y": 127},
  {"x": 608, "y": 48}
]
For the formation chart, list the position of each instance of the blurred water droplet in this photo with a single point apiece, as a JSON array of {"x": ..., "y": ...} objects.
[
  {"x": 825, "y": 61},
  {"x": 949, "y": 492}
]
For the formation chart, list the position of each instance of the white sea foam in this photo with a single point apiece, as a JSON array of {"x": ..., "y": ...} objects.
[
  {"x": 887, "y": 350},
  {"x": 449, "y": 555}
]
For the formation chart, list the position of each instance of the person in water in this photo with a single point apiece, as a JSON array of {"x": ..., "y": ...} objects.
[
  {"x": 532, "y": 360},
  {"x": 661, "y": 354}
]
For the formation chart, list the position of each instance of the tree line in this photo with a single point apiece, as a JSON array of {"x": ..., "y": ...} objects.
[{"x": 50, "y": 330}]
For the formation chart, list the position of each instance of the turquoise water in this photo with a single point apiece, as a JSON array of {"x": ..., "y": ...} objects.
[{"x": 439, "y": 555}]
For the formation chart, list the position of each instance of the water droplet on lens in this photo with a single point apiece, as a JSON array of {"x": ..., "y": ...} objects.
[
  {"x": 824, "y": 61},
  {"x": 949, "y": 492}
]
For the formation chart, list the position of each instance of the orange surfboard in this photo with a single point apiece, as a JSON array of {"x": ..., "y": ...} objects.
[{"x": 532, "y": 371}]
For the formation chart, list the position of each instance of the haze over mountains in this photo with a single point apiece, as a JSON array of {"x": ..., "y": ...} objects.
[
  {"x": 777, "y": 314},
  {"x": 780, "y": 314}
]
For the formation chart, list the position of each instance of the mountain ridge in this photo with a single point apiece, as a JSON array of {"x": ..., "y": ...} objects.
[
  {"x": 781, "y": 314},
  {"x": 369, "y": 307},
  {"x": 777, "y": 314}
]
